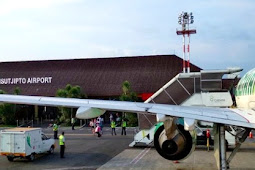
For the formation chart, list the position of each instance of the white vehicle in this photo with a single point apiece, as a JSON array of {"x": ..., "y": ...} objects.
[{"x": 25, "y": 143}]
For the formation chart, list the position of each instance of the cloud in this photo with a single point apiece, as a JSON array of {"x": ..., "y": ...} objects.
[
  {"x": 48, "y": 29},
  {"x": 9, "y": 6}
]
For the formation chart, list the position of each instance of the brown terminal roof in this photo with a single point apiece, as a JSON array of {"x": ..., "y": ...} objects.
[{"x": 100, "y": 77}]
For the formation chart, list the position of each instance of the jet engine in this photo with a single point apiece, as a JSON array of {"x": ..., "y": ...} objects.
[{"x": 173, "y": 142}]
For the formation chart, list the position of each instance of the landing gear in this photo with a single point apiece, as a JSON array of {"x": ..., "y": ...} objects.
[{"x": 220, "y": 146}]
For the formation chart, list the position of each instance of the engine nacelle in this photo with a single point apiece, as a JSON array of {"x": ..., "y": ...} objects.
[
  {"x": 180, "y": 146},
  {"x": 88, "y": 112}
]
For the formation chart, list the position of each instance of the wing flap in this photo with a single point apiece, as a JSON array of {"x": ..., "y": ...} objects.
[
  {"x": 215, "y": 115},
  {"x": 238, "y": 117}
]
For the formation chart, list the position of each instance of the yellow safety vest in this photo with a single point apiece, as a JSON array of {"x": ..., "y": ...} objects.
[
  {"x": 55, "y": 127},
  {"x": 61, "y": 140},
  {"x": 113, "y": 125},
  {"x": 124, "y": 124}
]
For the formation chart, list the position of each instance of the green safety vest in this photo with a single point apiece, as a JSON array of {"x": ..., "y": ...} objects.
[
  {"x": 124, "y": 124},
  {"x": 61, "y": 140},
  {"x": 72, "y": 121},
  {"x": 55, "y": 127},
  {"x": 113, "y": 125}
]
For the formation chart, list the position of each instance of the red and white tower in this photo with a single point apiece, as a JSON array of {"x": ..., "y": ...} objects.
[{"x": 185, "y": 19}]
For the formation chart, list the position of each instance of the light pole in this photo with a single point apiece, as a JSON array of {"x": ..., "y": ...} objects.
[{"x": 184, "y": 20}]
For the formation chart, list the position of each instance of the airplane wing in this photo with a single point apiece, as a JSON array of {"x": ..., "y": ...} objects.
[{"x": 88, "y": 108}]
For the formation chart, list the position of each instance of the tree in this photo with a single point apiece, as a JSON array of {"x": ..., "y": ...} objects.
[
  {"x": 17, "y": 91},
  {"x": 8, "y": 114},
  {"x": 8, "y": 111},
  {"x": 129, "y": 95},
  {"x": 69, "y": 92},
  {"x": 2, "y": 92}
]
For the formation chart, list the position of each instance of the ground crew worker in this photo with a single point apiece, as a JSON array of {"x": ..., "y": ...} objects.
[
  {"x": 55, "y": 130},
  {"x": 113, "y": 125},
  {"x": 62, "y": 145},
  {"x": 72, "y": 122},
  {"x": 123, "y": 125}
]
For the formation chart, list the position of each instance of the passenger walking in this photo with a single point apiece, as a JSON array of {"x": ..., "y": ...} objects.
[
  {"x": 118, "y": 119},
  {"x": 113, "y": 125},
  {"x": 55, "y": 130},
  {"x": 91, "y": 124},
  {"x": 124, "y": 125},
  {"x": 62, "y": 145},
  {"x": 111, "y": 117},
  {"x": 73, "y": 122},
  {"x": 95, "y": 124},
  {"x": 101, "y": 121},
  {"x": 98, "y": 130}
]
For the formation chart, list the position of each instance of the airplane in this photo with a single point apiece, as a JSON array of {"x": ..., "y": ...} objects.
[{"x": 175, "y": 138}]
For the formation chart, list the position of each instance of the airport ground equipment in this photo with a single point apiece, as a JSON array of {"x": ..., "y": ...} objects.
[
  {"x": 24, "y": 143},
  {"x": 144, "y": 137},
  {"x": 202, "y": 88}
]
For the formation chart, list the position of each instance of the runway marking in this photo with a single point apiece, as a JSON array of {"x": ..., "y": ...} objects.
[{"x": 140, "y": 155}]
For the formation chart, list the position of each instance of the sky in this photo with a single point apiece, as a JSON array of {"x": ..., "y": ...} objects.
[{"x": 69, "y": 29}]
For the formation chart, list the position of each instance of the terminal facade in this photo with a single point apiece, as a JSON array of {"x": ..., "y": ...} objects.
[{"x": 99, "y": 78}]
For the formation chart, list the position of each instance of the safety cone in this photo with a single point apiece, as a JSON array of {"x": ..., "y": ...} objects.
[{"x": 250, "y": 135}]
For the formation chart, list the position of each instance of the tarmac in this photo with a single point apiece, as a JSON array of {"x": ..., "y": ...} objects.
[
  {"x": 83, "y": 153},
  {"x": 200, "y": 159}
]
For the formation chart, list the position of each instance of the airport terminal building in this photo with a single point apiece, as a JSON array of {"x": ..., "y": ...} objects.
[{"x": 99, "y": 78}]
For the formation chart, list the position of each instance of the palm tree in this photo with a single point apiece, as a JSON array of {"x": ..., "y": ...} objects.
[
  {"x": 17, "y": 91},
  {"x": 69, "y": 92},
  {"x": 129, "y": 95}
]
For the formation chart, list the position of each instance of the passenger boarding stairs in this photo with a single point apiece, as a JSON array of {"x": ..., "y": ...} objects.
[{"x": 202, "y": 88}]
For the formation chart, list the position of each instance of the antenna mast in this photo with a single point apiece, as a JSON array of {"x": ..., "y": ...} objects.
[{"x": 185, "y": 19}]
